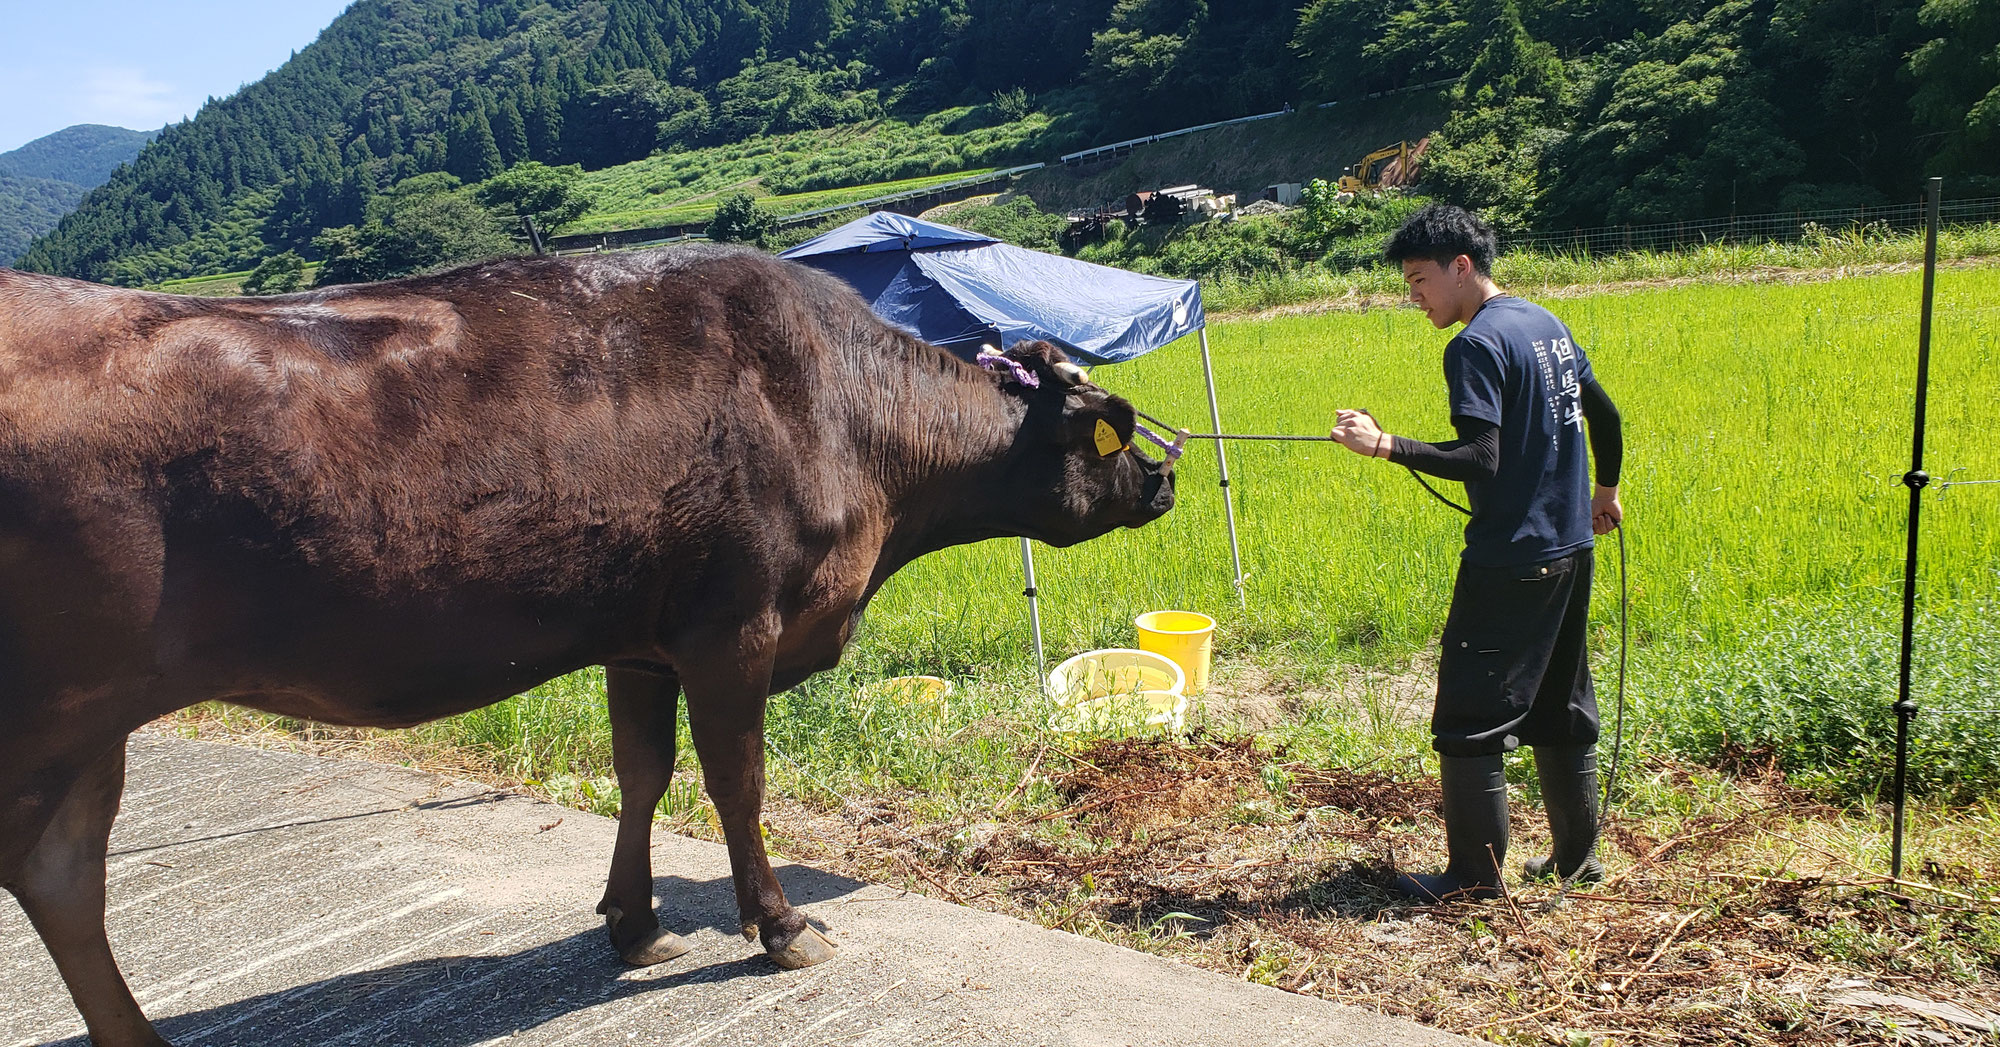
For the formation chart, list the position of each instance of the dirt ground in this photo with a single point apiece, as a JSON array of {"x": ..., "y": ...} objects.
[{"x": 1710, "y": 930}]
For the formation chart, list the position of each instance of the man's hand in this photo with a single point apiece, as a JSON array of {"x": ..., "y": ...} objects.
[
  {"x": 1358, "y": 432},
  {"x": 1605, "y": 512}
]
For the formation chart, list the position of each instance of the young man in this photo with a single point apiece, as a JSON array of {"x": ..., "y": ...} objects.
[{"x": 1514, "y": 668}]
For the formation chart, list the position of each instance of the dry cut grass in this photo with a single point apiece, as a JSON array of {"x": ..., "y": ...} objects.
[{"x": 1731, "y": 915}]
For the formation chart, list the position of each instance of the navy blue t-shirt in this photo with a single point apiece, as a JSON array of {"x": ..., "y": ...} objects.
[{"x": 1516, "y": 366}]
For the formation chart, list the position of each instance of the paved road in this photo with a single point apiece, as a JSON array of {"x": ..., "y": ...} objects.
[{"x": 266, "y": 899}]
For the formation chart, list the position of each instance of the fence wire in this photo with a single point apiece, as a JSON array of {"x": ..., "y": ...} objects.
[{"x": 1781, "y": 227}]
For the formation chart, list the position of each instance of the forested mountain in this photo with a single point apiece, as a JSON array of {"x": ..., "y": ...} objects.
[
  {"x": 1571, "y": 111},
  {"x": 83, "y": 154},
  {"x": 30, "y": 207},
  {"x": 45, "y": 179}
]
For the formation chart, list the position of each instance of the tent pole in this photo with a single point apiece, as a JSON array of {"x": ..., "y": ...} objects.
[
  {"x": 1222, "y": 464},
  {"x": 1034, "y": 611}
]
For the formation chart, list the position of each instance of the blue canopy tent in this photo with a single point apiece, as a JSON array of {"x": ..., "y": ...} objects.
[{"x": 960, "y": 290}]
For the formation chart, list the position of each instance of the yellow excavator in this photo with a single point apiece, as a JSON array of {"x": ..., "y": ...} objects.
[{"x": 1391, "y": 165}]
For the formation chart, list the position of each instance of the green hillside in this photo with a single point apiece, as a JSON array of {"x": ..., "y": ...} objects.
[
  {"x": 83, "y": 155},
  {"x": 47, "y": 178},
  {"x": 1566, "y": 112},
  {"x": 30, "y": 207}
]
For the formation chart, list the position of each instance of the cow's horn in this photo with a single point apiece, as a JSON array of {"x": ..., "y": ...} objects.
[{"x": 1072, "y": 374}]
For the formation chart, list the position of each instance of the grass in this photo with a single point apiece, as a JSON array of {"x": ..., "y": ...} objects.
[
  {"x": 1748, "y": 479},
  {"x": 599, "y": 221},
  {"x": 852, "y": 162},
  {"x": 225, "y": 284}
]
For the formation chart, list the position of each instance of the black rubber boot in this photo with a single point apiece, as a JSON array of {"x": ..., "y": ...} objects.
[
  {"x": 1475, "y": 832},
  {"x": 1569, "y": 790}
]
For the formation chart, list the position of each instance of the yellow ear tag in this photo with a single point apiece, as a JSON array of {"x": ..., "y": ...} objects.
[{"x": 1107, "y": 439}]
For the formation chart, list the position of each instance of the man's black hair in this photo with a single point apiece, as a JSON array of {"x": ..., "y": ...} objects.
[{"x": 1442, "y": 232}]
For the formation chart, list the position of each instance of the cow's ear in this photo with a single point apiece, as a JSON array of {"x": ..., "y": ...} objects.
[{"x": 1100, "y": 424}]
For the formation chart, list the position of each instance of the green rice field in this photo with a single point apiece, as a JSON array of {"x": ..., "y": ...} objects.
[{"x": 1767, "y": 432}]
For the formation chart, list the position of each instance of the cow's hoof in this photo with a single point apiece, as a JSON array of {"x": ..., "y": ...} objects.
[
  {"x": 807, "y": 948},
  {"x": 654, "y": 945},
  {"x": 658, "y": 947}
]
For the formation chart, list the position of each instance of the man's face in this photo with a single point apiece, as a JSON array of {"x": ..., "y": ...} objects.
[{"x": 1435, "y": 289}]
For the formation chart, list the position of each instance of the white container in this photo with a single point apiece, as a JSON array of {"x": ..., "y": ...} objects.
[
  {"x": 1124, "y": 713},
  {"x": 1118, "y": 689},
  {"x": 1115, "y": 670}
]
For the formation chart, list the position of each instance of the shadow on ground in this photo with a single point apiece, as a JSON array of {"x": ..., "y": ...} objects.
[{"x": 458, "y": 1001}]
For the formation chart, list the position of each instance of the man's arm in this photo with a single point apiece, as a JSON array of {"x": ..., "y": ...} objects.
[
  {"x": 1607, "y": 447},
  {"x": 1472, "y": 458}
]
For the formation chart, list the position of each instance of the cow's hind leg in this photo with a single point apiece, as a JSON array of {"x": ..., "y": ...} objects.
[
  {"x": 642, "y": 751},
  {"x": 726, "y": 697},
  {"x": 61, "y": 887}
]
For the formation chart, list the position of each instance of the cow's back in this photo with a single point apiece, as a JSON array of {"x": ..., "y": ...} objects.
[
  {"x": 446, "y": 420},
  {"x": 538, "y": 450}
]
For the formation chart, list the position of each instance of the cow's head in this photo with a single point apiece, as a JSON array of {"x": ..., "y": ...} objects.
[{"x": 1074, "y": 474}]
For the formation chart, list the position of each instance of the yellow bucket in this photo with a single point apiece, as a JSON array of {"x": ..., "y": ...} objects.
[{"x": 1186, "y": 637}]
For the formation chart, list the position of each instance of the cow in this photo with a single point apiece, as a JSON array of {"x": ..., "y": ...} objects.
[{"x": 382, "y": 504}]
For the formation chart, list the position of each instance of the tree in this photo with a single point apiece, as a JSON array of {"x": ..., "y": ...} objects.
[
  {"x": 1352, "y": 47},
  {"x": 420, "y": 224},
  {"x": 281, "y": 273},
  {"x": 1958, "y": 83},
  {"x": 1489, "y": 155},
  {"x": 1513, "y": 63},
  {"x": 472, "y": 153},
  {"x": 552, "y": 196},
  {"x": 618, "y": 121},
  {"x": 1686, "y": 130},
  {"x": 1491, "y": 159},
  {"x": 510, "y": 132},
  {"x": 738, "y": 220}
]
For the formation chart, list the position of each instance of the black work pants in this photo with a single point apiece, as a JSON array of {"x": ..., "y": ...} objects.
[{"x": 1515, "y": 668}]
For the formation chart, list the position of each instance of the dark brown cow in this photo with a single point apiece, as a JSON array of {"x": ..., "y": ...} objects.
[{"x": 384, "y": 504}]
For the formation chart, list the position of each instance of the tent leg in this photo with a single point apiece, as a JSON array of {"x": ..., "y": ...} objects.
[
  {"x": 1222, "y": 463},
  {"x": 1034, "y": 611}
]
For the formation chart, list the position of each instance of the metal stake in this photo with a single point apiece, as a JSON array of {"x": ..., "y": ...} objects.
[{"x": 1915, "y": 480}]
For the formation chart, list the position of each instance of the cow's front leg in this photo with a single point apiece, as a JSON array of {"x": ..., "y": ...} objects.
[
  {"x": 61, "y": 887},
  {"x": 726, "y": 694},
  {"x": 643, "y": 708}
]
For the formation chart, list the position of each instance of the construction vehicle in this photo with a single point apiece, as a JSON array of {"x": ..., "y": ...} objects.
[{"x": 1394, "y": 165}]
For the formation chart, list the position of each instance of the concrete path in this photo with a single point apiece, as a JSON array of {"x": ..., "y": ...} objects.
[{"x": 266, "y": 899}]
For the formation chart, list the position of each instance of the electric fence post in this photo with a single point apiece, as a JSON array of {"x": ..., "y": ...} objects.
[{"x": 1915, "y": 480}]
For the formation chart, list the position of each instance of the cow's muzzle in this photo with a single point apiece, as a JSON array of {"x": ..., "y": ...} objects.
[{"x": 1157, "y": 496}]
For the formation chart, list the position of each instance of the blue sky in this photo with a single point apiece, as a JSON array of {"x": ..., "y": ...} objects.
[{"x": 138, "y": 63}]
